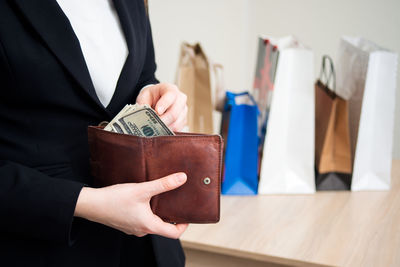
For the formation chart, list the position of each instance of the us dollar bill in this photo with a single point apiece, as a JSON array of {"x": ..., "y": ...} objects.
[
  {"x": 139, "y": 120},
  {"x": 123, "y": 111}
]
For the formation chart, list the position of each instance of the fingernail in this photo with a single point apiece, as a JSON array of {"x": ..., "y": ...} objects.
[
  {"x": 181, "y": 177},
  {"x": 160, "y": 110}
]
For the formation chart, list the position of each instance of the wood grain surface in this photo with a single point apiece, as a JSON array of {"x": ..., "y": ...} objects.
[{"x": 324, "y": 229}]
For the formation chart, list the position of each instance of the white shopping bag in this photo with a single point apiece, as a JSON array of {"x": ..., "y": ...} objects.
[
  {"x": 218, "y": 92},
  {"x": 287, "y": 165},
  {"x": 369, "y": 82}
]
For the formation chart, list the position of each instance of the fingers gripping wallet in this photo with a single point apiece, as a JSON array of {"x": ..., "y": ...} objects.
[{"x": 120, "y": 158}]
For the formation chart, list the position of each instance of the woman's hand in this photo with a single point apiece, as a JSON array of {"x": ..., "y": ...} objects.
[
  {"x": 168, "y": 102},
  {"x": 126, "y": 207}
]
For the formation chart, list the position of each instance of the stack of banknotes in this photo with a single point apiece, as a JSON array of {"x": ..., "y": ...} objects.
[{"x": 139, "y": 120}]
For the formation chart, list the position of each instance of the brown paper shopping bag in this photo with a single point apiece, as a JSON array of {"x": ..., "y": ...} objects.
[
  {"x": 193, "y": 78},
  {"x": 332, "y": 138}
]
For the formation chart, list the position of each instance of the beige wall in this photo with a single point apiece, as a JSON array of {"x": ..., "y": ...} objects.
[{"x": 228, "y": 30}]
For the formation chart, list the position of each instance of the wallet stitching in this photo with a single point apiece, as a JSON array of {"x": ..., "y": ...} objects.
[{"x": 219, "y": 176}]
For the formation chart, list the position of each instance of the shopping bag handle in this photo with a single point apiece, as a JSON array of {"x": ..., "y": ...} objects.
[
  {"x": 230, "y": 99},
  {"x": 330, "y": 75}
]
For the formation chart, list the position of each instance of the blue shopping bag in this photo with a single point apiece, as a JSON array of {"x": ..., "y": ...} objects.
[{"x": 239, "y": 129}]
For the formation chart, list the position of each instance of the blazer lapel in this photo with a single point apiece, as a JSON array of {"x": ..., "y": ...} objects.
[
  {"x": 53, "y": 26},
  {"x": 127, "y": 77}
]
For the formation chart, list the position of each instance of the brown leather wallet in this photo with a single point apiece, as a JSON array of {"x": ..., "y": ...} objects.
[{"x": 120, "y": 158}]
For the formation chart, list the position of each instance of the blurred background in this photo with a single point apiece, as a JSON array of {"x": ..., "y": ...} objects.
[{"x": 228, "y": 31}]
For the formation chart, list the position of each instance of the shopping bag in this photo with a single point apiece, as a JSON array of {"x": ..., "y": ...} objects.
[
  {"x": 287, "y": 165},
  {"x": 267, "y": 59},
  {"x": 332, "y": 138},
  {"x": 218, "y": 92},
  {"x": 264, "y": 78},
  {"x": 239, "y": 130},
  {"x": 193, "y": 79},
  {"x": 367, "y": 77}
]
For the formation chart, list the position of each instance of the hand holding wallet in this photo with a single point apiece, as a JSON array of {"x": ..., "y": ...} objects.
[{"x": 120, "y": 158}]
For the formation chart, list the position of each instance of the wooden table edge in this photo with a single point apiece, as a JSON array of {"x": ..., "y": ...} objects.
[{"x": 250, "y": 255}]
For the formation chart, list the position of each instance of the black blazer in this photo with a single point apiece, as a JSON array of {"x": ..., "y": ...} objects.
[{"x": 47, "y": 100}]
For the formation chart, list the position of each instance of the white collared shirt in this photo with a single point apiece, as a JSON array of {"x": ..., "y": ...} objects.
[{"x": 97, "y": 26}]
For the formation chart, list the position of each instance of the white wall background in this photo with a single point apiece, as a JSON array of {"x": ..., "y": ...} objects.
[{"x": 228, "y": 30}]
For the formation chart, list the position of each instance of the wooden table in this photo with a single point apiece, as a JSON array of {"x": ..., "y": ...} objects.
[{"x": 324, "y": 229}]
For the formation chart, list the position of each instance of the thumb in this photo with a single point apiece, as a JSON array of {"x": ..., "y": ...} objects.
[
  {"x": 145, "y": 97},
  {"x": 165, "y": 184}
]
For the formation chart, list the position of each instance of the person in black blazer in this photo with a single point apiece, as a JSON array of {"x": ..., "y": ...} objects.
[{"x": 50, "y": 215}]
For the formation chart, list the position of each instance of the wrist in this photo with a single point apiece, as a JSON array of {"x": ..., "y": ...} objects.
[{"x": 86, "y": 203}]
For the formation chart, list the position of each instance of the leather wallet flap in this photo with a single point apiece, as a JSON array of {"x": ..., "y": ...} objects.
[{"x": 119, "y": 158}]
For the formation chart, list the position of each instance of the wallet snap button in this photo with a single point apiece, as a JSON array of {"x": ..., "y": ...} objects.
[{"x": 207, "y": 180}]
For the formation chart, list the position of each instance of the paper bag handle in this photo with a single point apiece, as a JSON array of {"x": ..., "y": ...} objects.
[
  {"x": 328, "y": 75},
  {"x": 230, "y": 100}
]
